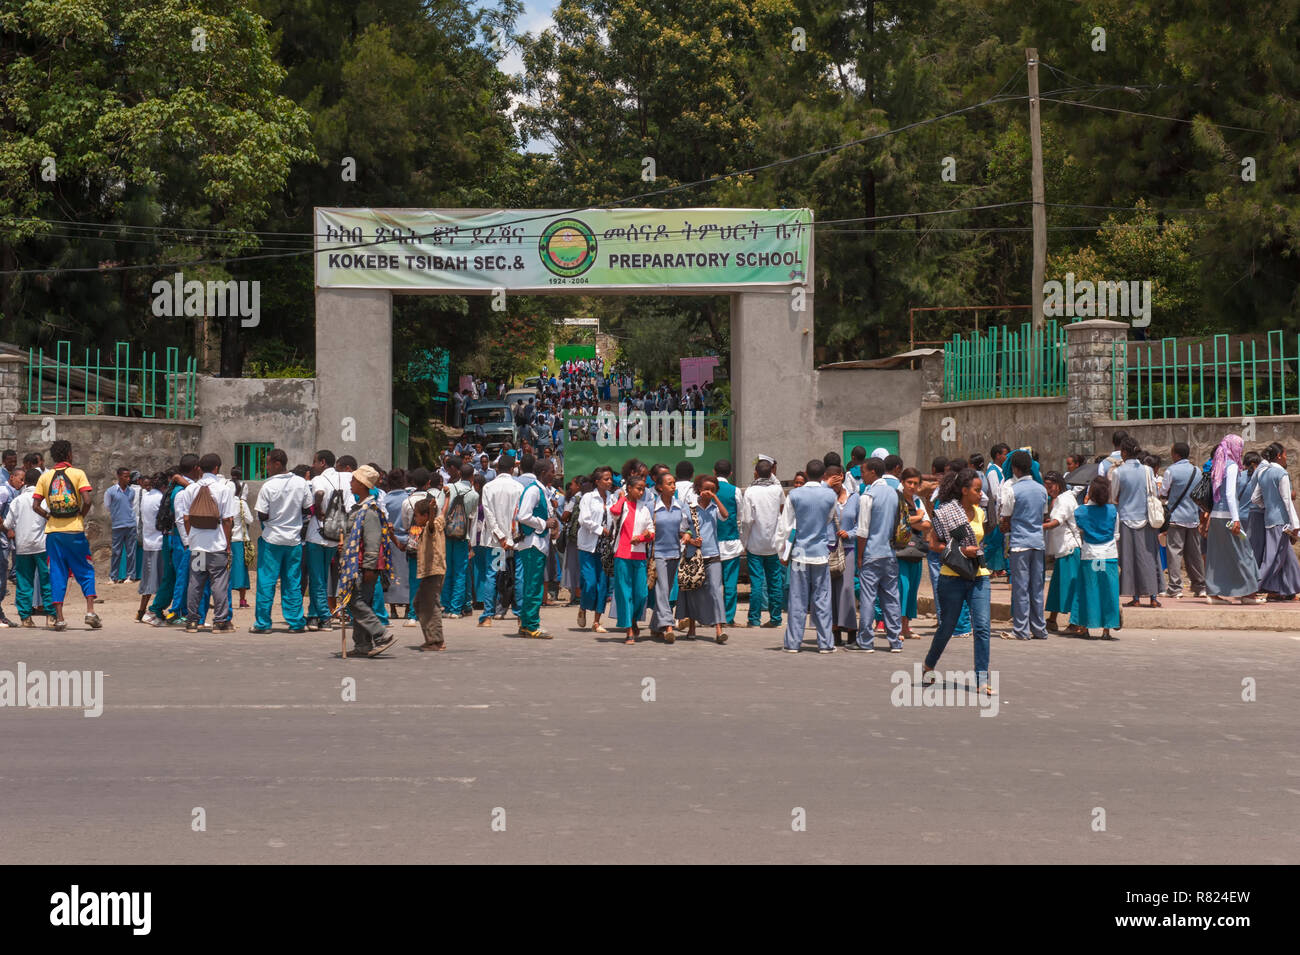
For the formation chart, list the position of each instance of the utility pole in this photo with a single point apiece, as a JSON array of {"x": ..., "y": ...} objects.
[{"x": 1040, "y": 207}]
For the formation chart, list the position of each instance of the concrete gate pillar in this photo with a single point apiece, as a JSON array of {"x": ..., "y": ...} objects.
[
  {"x": 354, "y": 373},
  {"x": 1090, "y": 377},
  {"x": 773, "y": 385}
]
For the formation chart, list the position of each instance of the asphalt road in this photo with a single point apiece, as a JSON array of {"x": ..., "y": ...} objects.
[{"x": 554, "y": 741}]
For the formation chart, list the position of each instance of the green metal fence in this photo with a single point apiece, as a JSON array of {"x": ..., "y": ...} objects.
[
  {"x": 250, "y": 458},
  {"x": 401, "y": 441},
  {"x": 1233, "y": 377},
  {"x": 137, "y": 386},
  {"x": 1005, "y": 363}
]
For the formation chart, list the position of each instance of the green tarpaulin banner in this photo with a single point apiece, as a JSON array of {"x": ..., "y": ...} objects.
[{"x": 534, "y": 250}]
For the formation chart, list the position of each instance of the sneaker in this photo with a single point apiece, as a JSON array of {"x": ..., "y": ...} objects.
[
  {"x": 721, "y": 638},
  {"x": 5, "y": 624},
  {"x": 853, "y": 647},
  {"x": 967, "y": 634},
  {"x": 158, "y": 622},
  {"x": 295, "y": 630},
  {"x": 93, "y": 621},
  {"x": 895, "y": 649},
  {"x": 382, "y": 644},
  {"x": 451, "y": 616},
  {"x": 538, "y": 634},
  {"x": 224, "y": 627},
  {"x": 313, "y": 624},
  {"x": 827, "y": 649},
  {"x": 790, "y": 649},
  {"x": 191, "y": 626},
  {"x": 412, "y": 623},
  {"x": 362, "y": 649},
  {"x": 774, "y": 623},
  {"x": 59, "y": 625},
  {"x": 259, "y": 629}
]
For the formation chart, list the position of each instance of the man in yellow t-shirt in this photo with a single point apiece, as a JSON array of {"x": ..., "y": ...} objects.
[{"x": 65, "y": 533}]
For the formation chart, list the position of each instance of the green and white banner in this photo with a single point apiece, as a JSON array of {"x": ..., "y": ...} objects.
[{"x": 533, "y": 250}]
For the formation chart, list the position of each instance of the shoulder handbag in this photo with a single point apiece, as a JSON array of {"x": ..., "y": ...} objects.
[
  {"x": 1155, "y": 506},
  {"x": 965, "y": 567},
  {"x": 250, "y": 542},
  {"x": 690, "y": 570},
  {"x": 836, "y": 558},
  {"x": 606, "y": 545},
  {"x": 1203, "y": 492},
  {"x": 1169, "y": 511}
]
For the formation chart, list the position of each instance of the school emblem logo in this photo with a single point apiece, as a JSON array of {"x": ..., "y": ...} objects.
[{"x": 567, "y": 247}]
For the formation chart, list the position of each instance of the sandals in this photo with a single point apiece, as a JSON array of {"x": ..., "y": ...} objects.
[
  {"x": 599, "y": 629},
  {"x": 629, "y": 641}
]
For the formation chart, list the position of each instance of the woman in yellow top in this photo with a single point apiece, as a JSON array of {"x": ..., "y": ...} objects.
[{"x": 957, "y": 516}]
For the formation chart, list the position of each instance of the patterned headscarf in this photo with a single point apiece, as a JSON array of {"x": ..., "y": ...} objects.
[
  {"x": 1229, "y": 450},
  {"x": 350, "y": 556}
]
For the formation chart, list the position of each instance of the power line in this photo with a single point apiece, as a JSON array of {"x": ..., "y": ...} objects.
[{"x": 1172, "y": 119}]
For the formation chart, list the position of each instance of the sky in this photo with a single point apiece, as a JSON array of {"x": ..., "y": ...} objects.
[{"x": 535, "y": 18}]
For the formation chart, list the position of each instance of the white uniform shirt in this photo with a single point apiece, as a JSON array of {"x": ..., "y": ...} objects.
[
  {"x": 536, "y": 537},
  {"x": 27, "y": 525},
  {"x": 211, "y": 541},
  {"x": 762, "y": 509},
  {"x": 500, "y": 495},
  {"x": 593, "y": 517},
  {"x": 151, "y": 539},
  {"x": 1062, "y": 540},
  {"x": 282, "y": 498}
]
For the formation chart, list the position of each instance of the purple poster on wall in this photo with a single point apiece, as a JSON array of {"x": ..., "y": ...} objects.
[{"x": 698, "y": 371}]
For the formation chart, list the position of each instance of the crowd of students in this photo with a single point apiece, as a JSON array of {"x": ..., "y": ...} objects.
[{"x": 659, "y": 548}]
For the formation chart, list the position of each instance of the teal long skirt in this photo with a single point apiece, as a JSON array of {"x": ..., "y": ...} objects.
[
  {"x": 1096, "y": 595},
  {"x": 1065, "y": 582}
]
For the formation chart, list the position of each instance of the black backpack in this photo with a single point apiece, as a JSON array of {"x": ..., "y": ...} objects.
[
  {"x": 165, "y": 522},
  {"x": 334, "y": 521}
]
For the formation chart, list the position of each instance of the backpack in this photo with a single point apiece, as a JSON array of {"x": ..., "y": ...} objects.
[
  {"x": 165, "y": 520},
  {"x": 204, "y": 513},
  {"x": 334, "y": 521},
  {"x": 62, "y": 499},
  {"x": 903, "y": 531},
  {"x": 457, "y": 526}
]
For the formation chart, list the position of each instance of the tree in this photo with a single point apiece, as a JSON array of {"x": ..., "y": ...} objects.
[{"x": 134, "y": 127}]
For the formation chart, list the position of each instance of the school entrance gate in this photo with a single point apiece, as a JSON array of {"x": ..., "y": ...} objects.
[{"x": 762, "y": 258}]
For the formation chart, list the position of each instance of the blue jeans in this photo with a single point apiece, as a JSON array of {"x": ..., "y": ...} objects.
[
  {"x": 30, "y": 568},
  {"x": 123, "y": 547},
  {"x": 953, "y": 591},
  {"x": 283, "y": 563},
  {"x": 492, "y": 556},
  {"x": 878, "y": 577},
  {"x": 730, "y": 578},
  {"x": 810, "y": 589},
  {"x": 477, "y": 576},
  {"x": 766, "y": 590},
  {"x": 1026, "y": 572},
  {"x": 318, "y": 571},
  {"x": 411, "y": 570},
  {"x": 933, "y": 563},
  {"x": 454, "y": 585}
]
